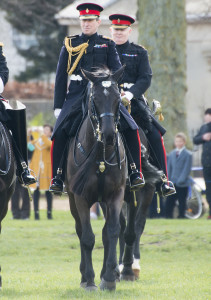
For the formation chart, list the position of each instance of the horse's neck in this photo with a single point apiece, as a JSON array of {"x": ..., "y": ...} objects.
[{"x": 86, "y": 134}]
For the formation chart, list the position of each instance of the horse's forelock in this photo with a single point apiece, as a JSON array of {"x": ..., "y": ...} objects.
[{"x": 102, "y": 73}]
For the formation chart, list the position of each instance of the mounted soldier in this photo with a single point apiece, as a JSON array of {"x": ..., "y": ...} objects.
[
  {"x": 86, "y": 51},
  {"x": 134, "y": 83},
  {"x": 15, "y": 120}
]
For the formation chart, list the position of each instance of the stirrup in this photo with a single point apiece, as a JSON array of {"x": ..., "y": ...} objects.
[
  {"x": 29, "y": 178},
  {"x": 56, "y": 185},
  {"x": 167, "y": 187},
  {"x": 136, "y": 180}
]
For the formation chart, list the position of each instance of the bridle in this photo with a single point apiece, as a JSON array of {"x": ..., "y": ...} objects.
[{"x": 95, "y": 118}]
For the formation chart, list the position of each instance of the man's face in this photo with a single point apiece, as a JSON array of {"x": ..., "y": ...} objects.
[
  {"x": 120, "y": 36},
  {"x": 207, "y": 118},
  {"x": 90, "y": 27}
]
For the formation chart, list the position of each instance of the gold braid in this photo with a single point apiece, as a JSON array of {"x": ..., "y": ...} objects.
[{"x": 79, "y": 50}]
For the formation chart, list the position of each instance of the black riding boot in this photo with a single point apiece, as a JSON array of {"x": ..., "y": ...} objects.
[
  {"x": 36, "y": 198},
  {"x": 134, "y": 159},
  {"x": 58, "y": 149},
  {"x": 49, "y": 198},
  {"x": 158, "y": 159},
  {"x": 17, "y": 125}
]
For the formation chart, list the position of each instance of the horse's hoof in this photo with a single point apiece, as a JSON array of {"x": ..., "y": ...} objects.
[
  {"x": 83, "y": 284},
  {"x": 107, "y": 285},
  {"x": 91, "y": 288},
  {"x": 136, "y": 267},
  {"x": 127, "y": 275},
  {"x": 136, "y": 273},
  {"x": 124, "y": 277}
]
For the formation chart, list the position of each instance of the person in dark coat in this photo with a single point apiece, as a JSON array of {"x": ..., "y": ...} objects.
[
  {"x": 15, "y": 120},
  {"x": 179, "y": 167},
  {"x": 20, "y": 202},
  {"x": 136, "y": 80},
  {"x": 204, "y": 137},
  {"x": 85, "y": 51}
]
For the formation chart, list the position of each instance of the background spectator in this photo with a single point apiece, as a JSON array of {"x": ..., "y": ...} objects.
[
  {"x": 204, "y": 137},
  {"x": 179, "y": 167},
  {"x": 41, "y": 164},
  {"x": 20, "y": 209}
]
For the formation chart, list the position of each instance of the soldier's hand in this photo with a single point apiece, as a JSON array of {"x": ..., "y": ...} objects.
[
  {"x": 126, "y": 97},
  {"x": 57, "y": 112}
]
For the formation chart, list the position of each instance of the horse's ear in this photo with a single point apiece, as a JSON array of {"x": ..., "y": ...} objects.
[
  {"x": 88, "y": 75},
  {"x": 118, "y": 74}
]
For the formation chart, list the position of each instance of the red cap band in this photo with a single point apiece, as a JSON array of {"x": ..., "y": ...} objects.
[
  {"x": 121, "y": 22},
  {"x": 89, "y": 12}
]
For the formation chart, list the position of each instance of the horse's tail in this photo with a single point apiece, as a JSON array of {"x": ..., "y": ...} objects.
[{"x": 151, "y": 173}]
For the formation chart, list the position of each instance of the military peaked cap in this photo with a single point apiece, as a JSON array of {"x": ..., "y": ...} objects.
[
  {"x": 89, "y": 10},
  {"x": 121, "y": 21}
]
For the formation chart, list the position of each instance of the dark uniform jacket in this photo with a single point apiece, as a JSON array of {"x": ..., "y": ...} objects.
[
  {"x": 100, "y": 52},
  {"x": 139, "y": 73},
  {"x": 4, "y": 72},
  {"x": 198, "y": 139}
]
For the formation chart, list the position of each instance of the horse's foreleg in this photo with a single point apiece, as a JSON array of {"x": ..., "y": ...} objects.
[
  {"x": 129, "y": 235},
  {"x": 87, "y": 242},
  {"x": 78, "y": 228},
  {"x": 121, "y": 236},
  {"x": 145, "y": 196},
  {"x": 104, "y": 239},
  {"x": 113, "y": 228}
]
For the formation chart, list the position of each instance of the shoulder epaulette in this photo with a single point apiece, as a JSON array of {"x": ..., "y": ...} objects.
[
  {"x": 142, "y": 47},
  {"x": 73, "y": 36},
  {"x": 1, "y": 44},
  {"x": 107, "y": 37},
  {"x": 139, "y": 46}
]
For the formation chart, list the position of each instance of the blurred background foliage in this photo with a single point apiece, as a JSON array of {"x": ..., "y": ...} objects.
[
  {"x": 162, "y": 30},
  {"x": 37, "y": 18}
]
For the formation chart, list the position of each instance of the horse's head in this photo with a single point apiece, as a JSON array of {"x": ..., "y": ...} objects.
[{"x": 104, "y": 102}]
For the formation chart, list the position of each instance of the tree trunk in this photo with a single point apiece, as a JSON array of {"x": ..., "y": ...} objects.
[{"x": 162, "y": 30}]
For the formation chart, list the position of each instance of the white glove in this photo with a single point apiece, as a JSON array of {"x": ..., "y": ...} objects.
[
  {"x": 57, "y": 112},
  {"x": 127, "y": 95},
  {"x": 1, "y": 86}
]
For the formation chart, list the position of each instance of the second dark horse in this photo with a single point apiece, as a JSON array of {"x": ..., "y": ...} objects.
[{"x": 96, "y": 171}]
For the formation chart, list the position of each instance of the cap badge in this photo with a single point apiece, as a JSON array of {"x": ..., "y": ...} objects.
[
  {"x": 87, "y": 10},
  {"x": 118, "y": 20}
]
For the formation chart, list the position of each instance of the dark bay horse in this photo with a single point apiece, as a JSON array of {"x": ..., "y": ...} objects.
[
  {"x": 96, "y": 171},
  {"x": 7, "y": 172},
  {"x": 133, "y": 220}
]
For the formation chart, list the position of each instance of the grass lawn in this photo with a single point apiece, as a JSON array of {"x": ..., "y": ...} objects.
[{"x": 40, "y": 260}]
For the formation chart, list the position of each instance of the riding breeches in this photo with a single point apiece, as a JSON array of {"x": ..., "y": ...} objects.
[
  {"x": 58, "y": 151},
  {"x": 134, "y": 146},
  {"x": 157, "y": 149}
]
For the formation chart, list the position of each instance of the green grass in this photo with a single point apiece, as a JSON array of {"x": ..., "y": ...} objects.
[{"x": 40, "y": 260}]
